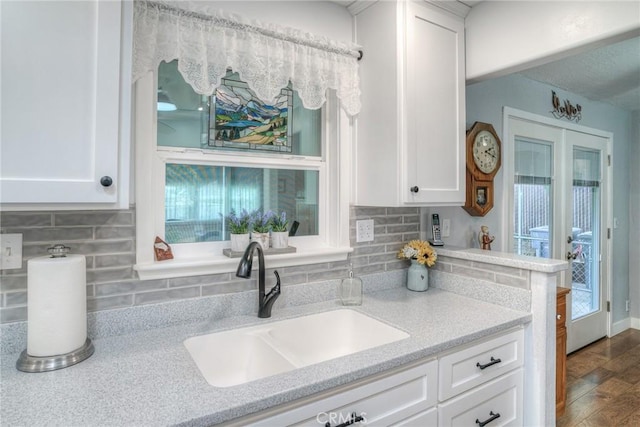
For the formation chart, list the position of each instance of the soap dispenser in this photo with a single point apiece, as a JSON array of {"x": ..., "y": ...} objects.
[{"x": 351, "y": 289}]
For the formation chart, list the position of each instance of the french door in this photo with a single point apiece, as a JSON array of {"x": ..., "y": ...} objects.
[{"x": 558, "y": 207}]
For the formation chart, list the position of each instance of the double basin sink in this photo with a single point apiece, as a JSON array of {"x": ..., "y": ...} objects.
[{"x": 238, "y": 356}]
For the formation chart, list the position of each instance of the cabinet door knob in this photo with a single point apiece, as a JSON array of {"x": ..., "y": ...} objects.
[
  {"x": 559, "y": 316},
  {"x": 106, "y": 181},
  {"x": 414, "y": 189}
]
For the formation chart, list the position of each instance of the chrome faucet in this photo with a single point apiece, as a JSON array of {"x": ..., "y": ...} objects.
[{"x": 265, "y": 302}]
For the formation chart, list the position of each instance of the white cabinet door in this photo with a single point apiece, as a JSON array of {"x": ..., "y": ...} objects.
[
  {"x": 61, "y": 99},
  {"x": 410, "y": 132},
  {"x": 435, "y": 107}
]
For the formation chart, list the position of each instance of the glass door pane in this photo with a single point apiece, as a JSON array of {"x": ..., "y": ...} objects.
[
  {"x": 585, "y": 271},
  {"x": 533, "y": 195}
]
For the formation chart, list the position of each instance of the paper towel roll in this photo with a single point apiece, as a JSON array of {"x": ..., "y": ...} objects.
[{"x": 57, "y": 305}]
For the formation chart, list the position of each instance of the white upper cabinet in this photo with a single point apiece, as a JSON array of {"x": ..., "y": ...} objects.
[
  {"x": 411, "y": 130},
  {"x": 66, "y": 84}
]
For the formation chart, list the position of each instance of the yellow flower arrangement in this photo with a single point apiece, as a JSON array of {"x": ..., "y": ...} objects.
[{"x": 419, "y": 250}]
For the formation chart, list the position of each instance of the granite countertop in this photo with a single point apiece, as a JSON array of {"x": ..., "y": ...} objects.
[
  {"x": 544, "y": 265},
  {"x": 148, "y": 378}
]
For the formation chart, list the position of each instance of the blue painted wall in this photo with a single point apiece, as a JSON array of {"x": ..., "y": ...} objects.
[{"x": 485, "y": 102}]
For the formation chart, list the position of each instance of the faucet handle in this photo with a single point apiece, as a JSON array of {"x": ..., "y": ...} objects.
[
  {"x": 267, "y": 301},
  {"x": 276, "y": 287}
]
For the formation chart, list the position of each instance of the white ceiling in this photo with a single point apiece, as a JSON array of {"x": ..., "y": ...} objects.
[{"x": 609, "y": 74}]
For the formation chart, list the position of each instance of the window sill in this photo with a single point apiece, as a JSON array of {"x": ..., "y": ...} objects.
[{"x": 198, "y": 266}]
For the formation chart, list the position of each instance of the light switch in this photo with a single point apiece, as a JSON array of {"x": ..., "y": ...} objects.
[
  {"x": 10, "y": 251},
  {"x": 446, "y": 227}
]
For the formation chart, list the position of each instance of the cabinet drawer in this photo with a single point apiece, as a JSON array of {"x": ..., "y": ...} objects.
[
  {"x": 470, "y": 367},
  {"x": 384, "y": 401},
  {"x": 497, "y": 403},
  {"x": 423, "y": 419}
]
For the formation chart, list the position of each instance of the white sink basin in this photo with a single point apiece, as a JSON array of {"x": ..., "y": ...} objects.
[{"x": 241, "y": 355}]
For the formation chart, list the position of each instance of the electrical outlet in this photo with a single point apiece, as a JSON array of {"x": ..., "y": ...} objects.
[
  {"x": 364, "y": 230},
  {"x": 446, "y": 227},
  {"x": 627, "y": 305},
  {"x": 11, "y": 251}
]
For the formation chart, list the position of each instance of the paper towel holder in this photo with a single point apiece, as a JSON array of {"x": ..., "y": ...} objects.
[
  {"x": 28, "y": 363},
  {"x": 33, "y": 364}
]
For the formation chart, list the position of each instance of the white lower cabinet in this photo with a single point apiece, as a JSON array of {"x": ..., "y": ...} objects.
[
  {"x": 480, "y": 384},
  {"x": 478, "y": 363},
  {"x": 497, "y": 403},
  {"x": 403, "y": 398}
]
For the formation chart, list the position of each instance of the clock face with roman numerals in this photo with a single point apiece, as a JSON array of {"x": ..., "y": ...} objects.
[{"x": 486, "y": 152}]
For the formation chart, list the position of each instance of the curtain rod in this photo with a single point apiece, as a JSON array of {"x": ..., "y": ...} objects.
[{"x": 229, "y": 23}]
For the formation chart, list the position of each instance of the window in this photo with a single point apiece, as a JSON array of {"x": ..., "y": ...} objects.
[
  {"x": 197, "y": 196},
  {"x": 196, "y": 163}
]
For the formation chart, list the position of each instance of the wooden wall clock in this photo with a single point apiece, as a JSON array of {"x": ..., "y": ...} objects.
[{"x": 483, "y": 161}]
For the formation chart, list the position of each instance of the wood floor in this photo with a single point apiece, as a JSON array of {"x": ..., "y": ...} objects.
[{"x": 603, "y": 383}]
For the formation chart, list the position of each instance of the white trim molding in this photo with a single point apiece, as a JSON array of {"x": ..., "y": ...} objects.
[{"x": 193, "y": 259}]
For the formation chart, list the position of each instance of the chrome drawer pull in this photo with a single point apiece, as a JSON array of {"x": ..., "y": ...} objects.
[
  {"x": 491, "y": 362},
  {"x": 491, "y": 418}
]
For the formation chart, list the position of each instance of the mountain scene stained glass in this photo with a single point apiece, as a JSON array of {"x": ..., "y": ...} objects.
[{"x": 243, "y": 121}]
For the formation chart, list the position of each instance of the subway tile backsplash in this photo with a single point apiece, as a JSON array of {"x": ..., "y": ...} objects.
[
  {"x": 509, "y": 276},
  {"x": 107, "y": 239}
]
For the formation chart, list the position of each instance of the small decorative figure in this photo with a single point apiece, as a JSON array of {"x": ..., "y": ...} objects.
[
  {"x": 484, "y": 238},
  {"x": 162, "y": 250}
]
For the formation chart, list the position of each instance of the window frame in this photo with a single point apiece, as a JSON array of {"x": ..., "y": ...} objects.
[{"x": 192, "y": 259}]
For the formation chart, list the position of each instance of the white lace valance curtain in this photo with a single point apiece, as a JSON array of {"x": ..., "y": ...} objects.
[{"x": 266, "y": 56}]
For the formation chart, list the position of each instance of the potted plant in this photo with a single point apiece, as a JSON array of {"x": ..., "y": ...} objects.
[
  {"x": 422, "y": 255},
  {"x": 279, "y": 233},
  {"x": 260, "y": 225},
  {"x": 238, "y": 225}
]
